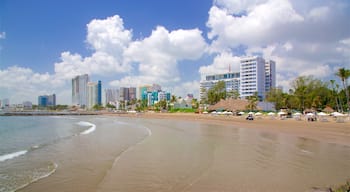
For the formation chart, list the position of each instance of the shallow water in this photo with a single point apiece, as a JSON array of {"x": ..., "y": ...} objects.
[{"x": 134, "y": 154}]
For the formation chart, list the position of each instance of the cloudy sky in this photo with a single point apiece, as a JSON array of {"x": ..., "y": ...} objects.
[{"x": 175, "y": 43}]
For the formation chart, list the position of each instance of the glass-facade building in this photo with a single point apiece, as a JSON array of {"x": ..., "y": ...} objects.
[{"x": 79, "y": 90}]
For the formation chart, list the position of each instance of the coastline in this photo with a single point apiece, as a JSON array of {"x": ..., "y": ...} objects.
[{"x": 330, "y": 131}]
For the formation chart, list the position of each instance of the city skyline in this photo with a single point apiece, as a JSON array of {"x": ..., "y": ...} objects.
[{"x": 173, "y": 43}]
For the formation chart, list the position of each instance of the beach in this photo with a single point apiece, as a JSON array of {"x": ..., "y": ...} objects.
[
  {"x": 329, "y": 131},
  {"x": 200, "y": 152}
]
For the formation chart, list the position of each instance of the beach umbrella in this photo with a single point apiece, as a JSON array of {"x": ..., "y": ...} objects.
[
  {"x": 205, "y": 112},
  {"x": 281, "y": 113},
  {"x": 337, "y": 114},
  {"x": 309, "y": 114},
  {"x": 271, "y": 114},
  {"x": 322, "y": 114},
  {"x": 213, "y": 112},
  {"x": 297, "y": 114},
  {"x": 241, "y": 113},
  {"x": 258, "y": 114},
  {"x": 250, "y": 113}
]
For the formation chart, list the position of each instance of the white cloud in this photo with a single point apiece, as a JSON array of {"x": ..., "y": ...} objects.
[
  {"x": 190, "y": 87},
  {"x": 23, "y": 82},
  {"x": 254, "y": 28},
  {"x": 303, "y": 37},
  {"x": 319, "y": 13},
  {"x": 222, "y": 64},
  {"x": 108, "y": 35},
  {"x": 2, "y": 35},
  {"x": 109, "y": 39},
  {"x": 157, "y": 56}
]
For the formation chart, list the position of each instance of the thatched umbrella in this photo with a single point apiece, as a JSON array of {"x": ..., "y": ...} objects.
[{"x": 328, "y": 109}]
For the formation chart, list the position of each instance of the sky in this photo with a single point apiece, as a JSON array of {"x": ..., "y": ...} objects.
[{"x": 175, "y": 43}]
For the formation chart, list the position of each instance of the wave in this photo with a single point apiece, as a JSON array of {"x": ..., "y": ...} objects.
[
  {"x": 88, "y": 131},
  {"x": 12, "y": 155},
  {"x": 51, "y": 170}
]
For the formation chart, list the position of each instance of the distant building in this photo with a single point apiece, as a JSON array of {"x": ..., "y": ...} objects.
[
  {"x": 112, "y": 96},
  {"x": 79, "y": 90},
  {"x": 47, "y": 100},
  {"x": 27, "y": 105},
  {"x": 232, "y": 83},
  {"x": 270, "y": 75},
  {"x": 127, "y": 93},
  {"x": 92, "y": 89},
  {"x": 99, "y": 93},
  {"x": 5, "y": 103},
  {"x": 255, "y": 76}
]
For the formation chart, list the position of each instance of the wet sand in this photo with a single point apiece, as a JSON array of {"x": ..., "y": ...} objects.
[{"x": 329, "y": 131}]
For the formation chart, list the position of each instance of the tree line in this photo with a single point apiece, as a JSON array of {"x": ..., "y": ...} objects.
[{"x": 307, "y": 92}]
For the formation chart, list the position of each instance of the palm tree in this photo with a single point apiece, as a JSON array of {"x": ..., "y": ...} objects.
[
  {"x": 334, "y": 93},
  {"x": 344, "y": 74}
]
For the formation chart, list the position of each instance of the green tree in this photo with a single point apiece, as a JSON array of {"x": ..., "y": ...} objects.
[
  {"x": 310, "y": 92},
  {"x": 232, "y": 94},
  {"x": 335, "y": 94},
  {"x": 110, "y": 106},
  {"x": 97, "y": 107},
  {"x": 344, "y": 74},
  {"x": 217, "y": 92},
  {"x": 253, "y": 101}
]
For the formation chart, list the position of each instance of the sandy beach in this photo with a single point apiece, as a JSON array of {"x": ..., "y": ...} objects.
[
  {"x": 174, "y": 152},
  {"x": 329, "y": 131}
]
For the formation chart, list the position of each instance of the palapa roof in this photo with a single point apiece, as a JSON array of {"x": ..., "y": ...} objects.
[
  {"x": 230, "y": 105},
  {"x": 328, "y": 109}
]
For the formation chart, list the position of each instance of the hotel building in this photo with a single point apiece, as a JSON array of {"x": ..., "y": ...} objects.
[
  {"x": 232, "y": 82},
  {"x": 252, "y": 70},
  {"x": 255, "y": 76}
]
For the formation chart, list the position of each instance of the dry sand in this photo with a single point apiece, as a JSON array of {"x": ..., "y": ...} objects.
[{"x": 330, "y": 131}]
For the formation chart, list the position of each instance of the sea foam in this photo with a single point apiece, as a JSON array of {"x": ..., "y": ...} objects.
[
  {"x": 92, "y": 127},
  {"x": 12, "y": 155}
]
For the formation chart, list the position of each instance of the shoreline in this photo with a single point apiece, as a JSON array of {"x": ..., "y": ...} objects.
[{"x": 330, "y": 131}]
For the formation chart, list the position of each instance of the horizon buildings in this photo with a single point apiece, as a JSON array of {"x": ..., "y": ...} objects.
[
  {"x": 86, "y": 93},
  {"x": 47, "y": 100}
]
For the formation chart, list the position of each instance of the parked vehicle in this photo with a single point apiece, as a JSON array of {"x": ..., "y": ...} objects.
[{"x": 249, "y": 117}]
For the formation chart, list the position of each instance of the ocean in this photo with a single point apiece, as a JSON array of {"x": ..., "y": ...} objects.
[{"x": 99, "y": 153}]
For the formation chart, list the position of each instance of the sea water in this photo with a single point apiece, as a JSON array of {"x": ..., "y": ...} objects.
[{"x": 22, "y": 136}]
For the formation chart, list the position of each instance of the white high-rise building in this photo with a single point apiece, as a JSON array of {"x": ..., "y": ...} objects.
[
  {"x": 92, "y": 100},
  {"x": 79, "y": 90},
  {"x": 252, "y": 70}
]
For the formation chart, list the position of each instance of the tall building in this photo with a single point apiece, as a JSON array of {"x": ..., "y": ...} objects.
[
  {"x": 99, "y": 93},
  {"x": 79, "y": 90},
  {"x": 112, "y": 96},
  {"x": 252, "y": 70},
  {"x": 270, "y": 75},
  {"x": 127, "y": 93},
  {"x": 232, "y": 83},
  {"x": 92, "y": 89},
  {"x": 47, "y": 100},
  {"x": 5, "y": 103},
  {"x": 142, "y": 90}
]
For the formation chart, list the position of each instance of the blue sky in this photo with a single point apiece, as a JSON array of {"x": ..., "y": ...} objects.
[{"x": 43, "y": 44}]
